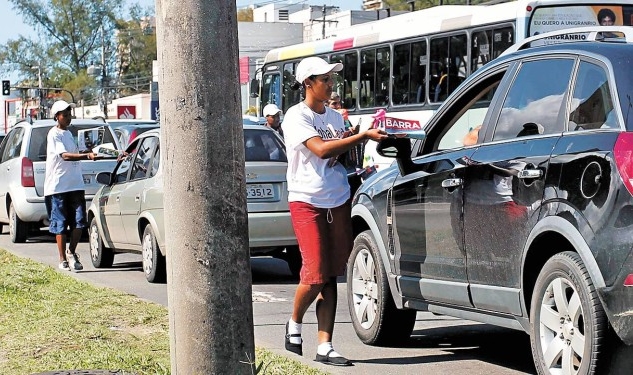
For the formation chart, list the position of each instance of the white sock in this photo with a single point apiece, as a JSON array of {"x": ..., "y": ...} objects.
[
  {"x": 294, "y": 328},
  {"x": 324, "y": 349}
]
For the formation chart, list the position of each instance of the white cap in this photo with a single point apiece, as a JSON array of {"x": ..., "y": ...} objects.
[
  {"x": 59, "y": 106},
  {"x": 271, "y": 110},
  {"x": 312, "y": 66}
]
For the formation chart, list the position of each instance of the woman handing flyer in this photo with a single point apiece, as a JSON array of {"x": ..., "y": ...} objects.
[{"x": 318, "y": 195}]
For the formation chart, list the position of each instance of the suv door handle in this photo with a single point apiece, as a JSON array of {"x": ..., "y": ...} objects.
[
  {"x": 137, "y": 198},
  {"x": 452, "y": 182},
  {"x": 530, "y": 174}
]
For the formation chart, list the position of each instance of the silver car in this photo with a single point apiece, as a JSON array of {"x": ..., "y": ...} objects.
[
  {"x": 23, "y": 167},
  {"x": 127, "y": 212}
]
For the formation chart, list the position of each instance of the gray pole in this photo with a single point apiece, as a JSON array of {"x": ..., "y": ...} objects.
[
  {"x": 104, "y": 74},
  {"x": 208, "y": 263}
]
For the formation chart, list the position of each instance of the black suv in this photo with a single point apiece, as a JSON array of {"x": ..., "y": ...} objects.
[{"x": 515, "y": 210}]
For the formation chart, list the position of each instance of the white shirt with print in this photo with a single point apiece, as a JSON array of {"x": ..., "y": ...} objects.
[
  {"x": 310, "y": 178},
  {"x": 61, "y": 175}
]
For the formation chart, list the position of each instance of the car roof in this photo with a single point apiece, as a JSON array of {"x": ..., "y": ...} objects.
[
  {"x": 138, "y": 126},
  {"x": 156, "y": 131},
  {"x": 51, "y": 122}
]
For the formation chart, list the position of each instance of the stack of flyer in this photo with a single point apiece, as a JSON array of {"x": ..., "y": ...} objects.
[{"x": 106, "y": 150}]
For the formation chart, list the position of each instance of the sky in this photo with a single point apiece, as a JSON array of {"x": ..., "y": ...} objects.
[{"x": 11, "y": 25}]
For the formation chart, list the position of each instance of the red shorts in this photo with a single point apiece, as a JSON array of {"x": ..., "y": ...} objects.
[{"x": 325, "y": 240}]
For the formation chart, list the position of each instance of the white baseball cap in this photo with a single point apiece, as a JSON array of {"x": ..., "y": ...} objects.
[
  {"x": 312, "y": 66},
  {"x": 59, "y": 106},
  {"x": 271, "y": 110}
]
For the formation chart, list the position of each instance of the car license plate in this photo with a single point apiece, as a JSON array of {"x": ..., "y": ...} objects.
[
  {"x": 87, "y": 179},
  {"x": 259, "y": 191}
]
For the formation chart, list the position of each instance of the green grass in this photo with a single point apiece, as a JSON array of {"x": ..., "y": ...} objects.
[{"x": 50, "y": 321}]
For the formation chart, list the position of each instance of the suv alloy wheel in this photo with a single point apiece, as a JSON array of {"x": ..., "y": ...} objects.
[
  {"x": 375, "y": 317},
  {"x": 568, "y": 323},
  {"x": 17, "y": 228}
]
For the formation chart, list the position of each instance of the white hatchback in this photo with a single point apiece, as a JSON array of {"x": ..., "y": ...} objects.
[{"x": 23, "y": 167}]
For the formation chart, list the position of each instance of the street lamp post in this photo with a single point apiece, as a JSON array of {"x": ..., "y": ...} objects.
[{"x": 40, "y": 114}]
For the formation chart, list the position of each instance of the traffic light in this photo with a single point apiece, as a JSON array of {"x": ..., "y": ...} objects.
[{"x": 6, "y": 88}]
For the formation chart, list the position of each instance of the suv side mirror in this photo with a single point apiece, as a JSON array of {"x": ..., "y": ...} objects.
[{"x": 399, "y": 148}]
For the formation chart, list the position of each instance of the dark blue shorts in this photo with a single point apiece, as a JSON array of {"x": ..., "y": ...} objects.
[{"x": 66, "y": 210}]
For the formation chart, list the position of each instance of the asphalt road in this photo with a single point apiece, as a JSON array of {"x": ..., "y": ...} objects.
[{"x": 438, "y": 345}]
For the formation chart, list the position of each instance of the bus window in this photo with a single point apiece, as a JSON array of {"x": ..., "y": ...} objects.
[
  {"x": 374, "y": 72},
  {"x": 383, "y": 64},
  {"x": 448, "y": 64},
  {"x": 501, "y": 40},
  {"x": 409, "y": 73},
  {"x": 418, "y": 71},
  {"x": 401, "y": 74},
  {"x": 291, "y": 97},
  {"x": 339, "y": 79},
  {"x": 488, "y": 44},
  {"x": 481, "y": 49},
  {"x": 367, "y": 71},
  {"x": 271, "y": 89},
  {"x": 349, "y": 90}
]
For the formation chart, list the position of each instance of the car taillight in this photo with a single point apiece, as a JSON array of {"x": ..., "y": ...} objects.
[
  {"x": 629, "y": 280},
  {"x": 28, "y": 177}
]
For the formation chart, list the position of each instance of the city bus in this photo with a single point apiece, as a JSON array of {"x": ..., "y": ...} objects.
[{"x": 409, "y": 63}]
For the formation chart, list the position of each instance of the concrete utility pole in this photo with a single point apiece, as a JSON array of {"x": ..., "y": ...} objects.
[{"x": 208, "y": 263}]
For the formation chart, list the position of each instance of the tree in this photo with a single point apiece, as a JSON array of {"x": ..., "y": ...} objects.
[
  {"x": 136, "y": 51},
  {"x": 72, "y": 35},
  {"x": 245, "y": 15}
]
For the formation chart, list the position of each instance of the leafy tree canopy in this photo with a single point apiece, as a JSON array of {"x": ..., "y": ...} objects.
[
  {"x": 70, "y": 36},
  {"x": 245, "y": 15}
]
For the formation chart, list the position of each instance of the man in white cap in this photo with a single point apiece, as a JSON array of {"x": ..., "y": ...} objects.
[
  {"x": 64, "y": 186},
  {"x": 273, "y": 114},
  {"x": 319, "y": 202}
]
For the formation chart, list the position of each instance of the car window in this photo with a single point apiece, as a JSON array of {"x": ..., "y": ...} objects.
[
  {"x": 155, "y": 162},
  {"x": 89, "y": 139},
  {"x": 121, "y": 171},
  {"x": 463, "y": 117},
  {"x": 592, "y": 105},
  {"x": 142, "y": 158},
  {"x": 470, "y": 120},
  {"x": 534, "y": 100},
  {"x": 12, "y": 145},
  {"x": 263, "y": 145}
]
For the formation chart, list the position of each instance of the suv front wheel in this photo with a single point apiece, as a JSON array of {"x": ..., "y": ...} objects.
[
  {"x": 568, "y": 324},
  {"x": 375, "y": 317}
]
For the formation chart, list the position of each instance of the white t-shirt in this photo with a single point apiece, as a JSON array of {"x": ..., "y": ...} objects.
[
  {"x": 61, "y": 175},
  {"x": 309, "y": 177}
]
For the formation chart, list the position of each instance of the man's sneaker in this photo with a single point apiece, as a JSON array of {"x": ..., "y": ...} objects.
[
  {"x": 64, "y": 266},
  {"x": 73, "y": 261}
]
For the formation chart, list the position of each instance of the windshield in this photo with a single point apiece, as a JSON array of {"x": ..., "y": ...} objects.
[{"x": 263, "y": 145}]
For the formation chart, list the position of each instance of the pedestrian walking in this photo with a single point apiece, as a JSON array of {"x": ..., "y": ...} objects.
[
  {"x": 318, "y": 195},
  {"x": 273, "y": 116},
  {"x": 64, "y": 186}
]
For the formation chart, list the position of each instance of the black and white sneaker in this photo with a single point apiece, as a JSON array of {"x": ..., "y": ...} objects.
[{"x": 73, "y": 261}]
